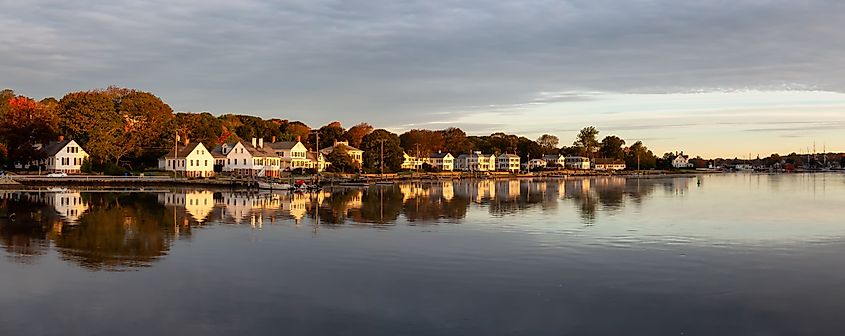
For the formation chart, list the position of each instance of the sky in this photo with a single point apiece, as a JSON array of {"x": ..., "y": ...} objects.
[{"x": 710, "y": 78}]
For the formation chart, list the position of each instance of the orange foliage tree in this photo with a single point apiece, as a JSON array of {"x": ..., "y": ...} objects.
[{"x": 24, "y": 125}]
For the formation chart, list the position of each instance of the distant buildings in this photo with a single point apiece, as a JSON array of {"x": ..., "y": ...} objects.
[
  {"x": 577, "y": 162},
  {"x": 681, "y": 161},
  {"x": 608, "y": 164},
  {"x": 507, "y": 162},
  {"x": 356, "y": 154},
  {"x": 442, "y": 161},
  {"x": 475, "y": 162}
]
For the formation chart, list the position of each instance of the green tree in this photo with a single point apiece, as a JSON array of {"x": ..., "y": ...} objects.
[
  {"x": 529, "y": 149},
  {"x": 331, "y": 133},
  {"x": 372, "y": 147},
  {"x": 455, "y": 141},
  {"x": 587, "y": 141},
  {"x": 639, "y": 155},
  {"x": 342, "y": 162},
  {"x": 612, "y": 147},
  {"x": 202, "y": 127},
  {"x": 548, "y": 141}
]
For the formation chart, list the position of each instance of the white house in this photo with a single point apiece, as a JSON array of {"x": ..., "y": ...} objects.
[
  {"x": 507, "y": 162},
  {"x": 608, "y": 164},
  {"x": 64, "y": 156},
  {"x": 411, "y": 162},
  {"x": 442, "y": 161},
  {"x": 554, "y": 160},
  {"x": 293, "y": 154},
  {"x": 248, "y": 159},
  {"x": 681, "y": 161},
  {"x": 356, "y": 154},
  {"x": 188, "y": 159},
  {"x": 536, "y": 163},
  {"x": 317, "y": 161},
  {"x": 475, "y": 161},
  {"x": 577, "y": 162}
]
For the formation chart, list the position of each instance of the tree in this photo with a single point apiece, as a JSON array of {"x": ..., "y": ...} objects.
[
  {"x": 455, "y": 141},
  {"x": 842, "y": 161},
  {"x": 548, "y": 141},
  {"x": 529, "y": 149},
  {"x": 201, "y": 127},
  {"x": 331, "y": 133},
  {"x": 372, "y": 147},
  {"x": 356, "y": 134},
  {"x": 422, "y": 142},
  {"x": 116, "y": 123},
  {"x": 342, "y": 162},
  {"x": 24, "y": 124},
  {"x": 587, "y": 141},
  {"x": 640, "y": 156},
  {"x": 612, "y": 147}
]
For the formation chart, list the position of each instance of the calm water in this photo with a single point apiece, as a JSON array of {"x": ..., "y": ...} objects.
[{"x": 712, "y": 255}]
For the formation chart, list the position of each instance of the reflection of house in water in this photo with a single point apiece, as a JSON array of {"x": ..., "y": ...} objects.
[
  {"x": 507, "y": 189},
  {"x": 198, "y": 204},
  {"x": 413, "y": 190},
  {"x": 69, "y": 205}
]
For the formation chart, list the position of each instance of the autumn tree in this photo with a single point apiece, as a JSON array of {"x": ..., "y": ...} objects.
[
  {"x": 586, "y": 141},
  {"x": 612, "y": 147},
  {"x": 201, "y": 127},
  {"x": 529, "y": 149},
  {"x": 117, "y": 123},
  {"x": 372, "y": 147},
  {"x": 293, "y": 130},
  {"x": 24, "y": 124},
  {"x": 356, "y": 134},
  {"x": 422, "y": 142}
]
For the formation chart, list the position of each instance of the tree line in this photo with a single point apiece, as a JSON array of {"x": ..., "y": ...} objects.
[{"x": 126, "y": 129}]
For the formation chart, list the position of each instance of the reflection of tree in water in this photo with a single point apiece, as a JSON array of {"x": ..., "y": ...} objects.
[
  {"x": 25, "y": 228},
  {"x": 118, "y": 231},
  {"x": 335, "y": 208},
  {"x": 429, "y": 209},
  {"x": 381, "y": 205}
]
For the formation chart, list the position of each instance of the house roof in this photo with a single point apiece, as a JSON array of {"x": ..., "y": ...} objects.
[
  {"x": 282, "y": 144},
  {"x": 183, "y": 150},
  {"x": 256, "y": 152},
  {"x": 340, "y": 145},
  {"x": 509, "y": 155},
  {"x": 608, "y": 161},
  {"x": 439, "y": 155},
  {"x": 54, "y": 147},
  {"x": 552, "y": 156}
]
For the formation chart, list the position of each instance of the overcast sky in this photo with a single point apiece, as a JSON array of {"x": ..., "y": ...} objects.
[{"x": 712, "y": 78}]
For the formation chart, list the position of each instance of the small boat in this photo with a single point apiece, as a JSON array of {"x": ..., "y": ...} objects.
[{"x": 273, "y": 185}]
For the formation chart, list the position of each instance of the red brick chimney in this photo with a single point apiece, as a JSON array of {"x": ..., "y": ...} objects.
[
  {"x": 273, "y": 139},
  {"x": 298, "y": 138},
  {"x": 61, "y": 138},
  {"x": 187, "y": 141}
]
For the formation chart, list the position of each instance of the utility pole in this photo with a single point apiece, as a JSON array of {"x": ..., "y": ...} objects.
[
  {"x": 381, "y": 162},
  {"x": 175, "y": 152},
  {"x": 317, "y": 157}
]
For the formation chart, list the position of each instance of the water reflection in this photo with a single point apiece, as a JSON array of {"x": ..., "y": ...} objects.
[{"x": 118, "y": 230}]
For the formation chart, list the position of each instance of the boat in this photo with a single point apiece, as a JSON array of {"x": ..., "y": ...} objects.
[{"x": 273, "y": 185}]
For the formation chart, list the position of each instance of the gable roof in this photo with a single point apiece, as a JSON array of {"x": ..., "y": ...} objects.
[
  {"x": 509, "y": 156},
  {"x": 439, "y": 155},
  {"x": 282, "y": 144},
  {"x": 182, "y": 150},
  {"x": 340, "y": 145},
  {"x": 54, "y": 147},
  {"x": 608, "y": 161}
]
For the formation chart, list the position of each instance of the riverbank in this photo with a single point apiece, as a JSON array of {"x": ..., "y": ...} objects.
[{"x": 18, "y": 181}]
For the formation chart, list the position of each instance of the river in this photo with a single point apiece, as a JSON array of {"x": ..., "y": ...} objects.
[{"x": 724, "y": 254}]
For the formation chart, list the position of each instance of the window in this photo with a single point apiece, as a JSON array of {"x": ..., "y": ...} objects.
[{"x": 206, "y": 163}]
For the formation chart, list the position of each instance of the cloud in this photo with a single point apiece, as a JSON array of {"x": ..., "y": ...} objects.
[{"x": 400, "y": 62}]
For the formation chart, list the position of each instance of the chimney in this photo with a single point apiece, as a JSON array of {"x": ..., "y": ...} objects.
[
  {"x": 187, "y": 141},
  {"x": 254, "y": 142},
  {"x": 260, "y": 142},
  {"x": 273, "y": 139},
  {"x": 61, "y": 138},
  {"x": 298, "y": 138}
]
